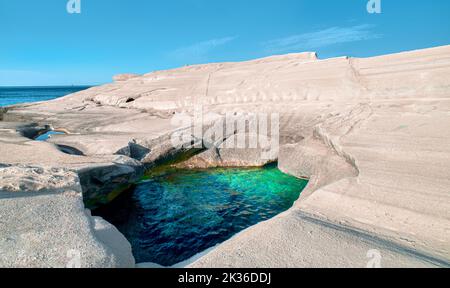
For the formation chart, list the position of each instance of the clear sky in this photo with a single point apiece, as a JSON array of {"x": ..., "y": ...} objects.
[{"x": 42, "y": 44}]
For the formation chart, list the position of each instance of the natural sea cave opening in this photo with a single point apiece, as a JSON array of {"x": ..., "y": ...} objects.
[{"x": 174, "y": 214}]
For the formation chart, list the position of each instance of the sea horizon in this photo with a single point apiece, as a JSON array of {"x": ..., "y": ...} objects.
[
  {"x": 48, "y": 86},
  {"x": 14, "y": 95}
]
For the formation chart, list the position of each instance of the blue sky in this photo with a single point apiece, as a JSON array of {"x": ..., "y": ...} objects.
[{"x": 42, "y": 44}]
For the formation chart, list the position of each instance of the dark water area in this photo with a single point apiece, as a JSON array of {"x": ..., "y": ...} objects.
[
  {"x": 170, "y": 217},
  {"x": 18, "y": 95}
]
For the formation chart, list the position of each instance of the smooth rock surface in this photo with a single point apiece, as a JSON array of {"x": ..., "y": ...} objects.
[
  {"x": 50, "y": 227},
  {"x": 291, "y": 241}
]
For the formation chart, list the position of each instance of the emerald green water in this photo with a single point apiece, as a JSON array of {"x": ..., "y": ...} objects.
[{"x": 176, "y": 214}]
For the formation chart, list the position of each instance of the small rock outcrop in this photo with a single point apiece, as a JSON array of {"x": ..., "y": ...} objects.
[
  {"x": 103, "y": 183},
  {"x": 53, "y": 229},
  {"x": 235, "y": 156},
  {"x": 2, "y": 111},
  {"x": 124, "y": 77}
]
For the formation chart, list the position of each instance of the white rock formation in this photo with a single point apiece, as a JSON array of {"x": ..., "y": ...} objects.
[
  {"x": 124, "y": 77},
  {"x": 49, "y": 226},
  {"x": 371, "y": 134}
]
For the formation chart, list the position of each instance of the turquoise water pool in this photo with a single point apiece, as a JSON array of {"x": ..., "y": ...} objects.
[
  {"x": 176, "y": 214},
  {"x": 47, "y": 135}
]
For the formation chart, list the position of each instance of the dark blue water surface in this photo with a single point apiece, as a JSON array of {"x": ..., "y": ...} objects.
[
  {"x": 169, "y": 218},
  {"x": 18, "y": 95}
]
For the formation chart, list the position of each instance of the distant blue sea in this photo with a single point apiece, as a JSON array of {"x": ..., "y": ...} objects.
[{"x": 17, "y": 95}]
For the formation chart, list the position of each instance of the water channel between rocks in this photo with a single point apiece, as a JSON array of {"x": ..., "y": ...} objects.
[{"x": 175, "y": 214}]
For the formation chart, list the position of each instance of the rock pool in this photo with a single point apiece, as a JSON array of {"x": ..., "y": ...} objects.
[
  {"x": 175, "y": 214},
  {"x": 47, "y": 135}
]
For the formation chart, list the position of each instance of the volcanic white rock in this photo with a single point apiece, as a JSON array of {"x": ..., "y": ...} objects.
[{"x": 371, "y": 134}]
